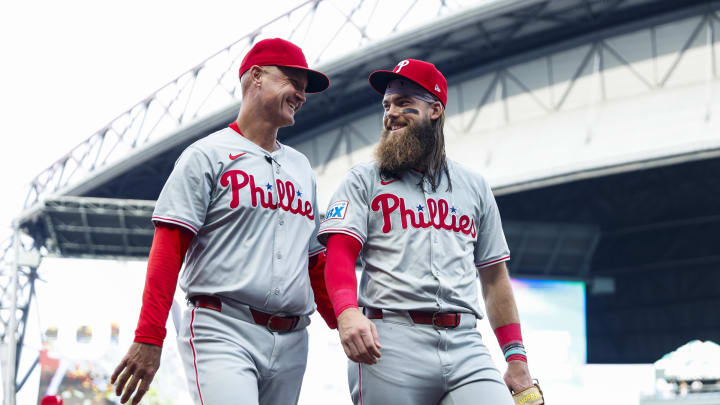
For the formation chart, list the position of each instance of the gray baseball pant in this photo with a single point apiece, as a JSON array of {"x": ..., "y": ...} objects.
[
  {"x": 422, "y": 365},
  {"x": 228, "y": 359}
]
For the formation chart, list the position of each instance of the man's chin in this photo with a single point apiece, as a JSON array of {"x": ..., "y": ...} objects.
[
  {"x": 287, "y": 121},
  {"x": 396, "y": 166},
  {"x": 400, "y": 150}
]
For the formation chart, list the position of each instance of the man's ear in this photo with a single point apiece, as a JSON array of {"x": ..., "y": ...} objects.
[
  {"x": 436, "y": 110},
  {"x": 256, "y": 74}
]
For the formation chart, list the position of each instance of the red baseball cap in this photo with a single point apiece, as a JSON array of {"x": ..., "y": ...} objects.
[
  {"x": 279, "y": 52},
  {"x": 425, "y": 74}
]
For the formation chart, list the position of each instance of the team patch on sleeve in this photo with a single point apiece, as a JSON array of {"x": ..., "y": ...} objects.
[{"x": 336, "y": 210}]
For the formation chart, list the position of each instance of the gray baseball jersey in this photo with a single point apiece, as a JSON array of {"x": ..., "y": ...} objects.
[
  {"x": 253, "y": 213},
  {"x": 421, "y": 249}
]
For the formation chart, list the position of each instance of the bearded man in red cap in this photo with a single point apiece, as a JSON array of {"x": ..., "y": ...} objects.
[
  {"x": 427, "y": 228},
  {"x": 239, "y": 209}
]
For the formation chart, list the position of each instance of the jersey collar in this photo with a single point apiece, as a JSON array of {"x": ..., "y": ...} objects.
[{"x": 234, "y": 127}]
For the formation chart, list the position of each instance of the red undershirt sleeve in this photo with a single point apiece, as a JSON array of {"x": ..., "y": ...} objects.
[
  {"x": 342, "y": 253},
  {"x": 316, "y": 268},
  {"x": 170, "y": 243}
]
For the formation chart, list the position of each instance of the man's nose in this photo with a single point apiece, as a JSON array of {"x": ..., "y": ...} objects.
[
  {"x": 393, "y": 112},
  {"x": 301, "y": 96}
]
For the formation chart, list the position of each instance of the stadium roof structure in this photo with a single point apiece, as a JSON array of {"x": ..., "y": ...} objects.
[{"x": 85, "y": 227}]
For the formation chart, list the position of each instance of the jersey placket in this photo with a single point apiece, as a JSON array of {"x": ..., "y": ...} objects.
[
  {"x": 433, "y": 248},
  {"x": 278, "y": 223}
]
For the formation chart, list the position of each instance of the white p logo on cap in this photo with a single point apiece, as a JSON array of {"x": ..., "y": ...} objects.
[{"x": 401, "y": 65}]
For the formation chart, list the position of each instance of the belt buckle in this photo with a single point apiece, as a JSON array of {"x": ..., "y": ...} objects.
[
  {"x": 269, "y": 321},
  {"x": 273, "y": 316},
  {"x": 434, "y": 323},
  {"x": 436, "y": 326}
]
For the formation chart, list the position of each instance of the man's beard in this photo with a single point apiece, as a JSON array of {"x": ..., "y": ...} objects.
[{"x": 409, "y": 150}]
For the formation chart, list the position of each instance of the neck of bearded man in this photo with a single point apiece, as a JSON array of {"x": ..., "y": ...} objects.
[{"x": 410, "y": 149}]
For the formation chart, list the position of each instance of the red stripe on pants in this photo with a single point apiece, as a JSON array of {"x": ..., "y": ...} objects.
[{"x": 192, "y": 334}]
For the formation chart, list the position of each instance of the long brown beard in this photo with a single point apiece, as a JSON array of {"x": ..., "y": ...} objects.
[{"x": 409, "y": 150}]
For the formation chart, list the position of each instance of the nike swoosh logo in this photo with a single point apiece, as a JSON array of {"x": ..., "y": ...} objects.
[
  {"x": 386, "y": 182},
  {"x": 233, "y": 157}
]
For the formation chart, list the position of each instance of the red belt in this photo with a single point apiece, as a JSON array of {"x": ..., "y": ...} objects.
[
  {"x": 274, "y": 323},
  {"x": 436, "y": 319}
]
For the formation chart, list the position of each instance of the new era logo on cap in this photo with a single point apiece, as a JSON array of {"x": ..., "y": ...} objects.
[{"x": 423, "y": 73}]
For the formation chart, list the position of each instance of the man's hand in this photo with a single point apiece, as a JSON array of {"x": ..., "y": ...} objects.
[
  {"x": 139, "y": 364},
  {"x": 517, "y": 376},
  {"x": 358, "y": 336}
]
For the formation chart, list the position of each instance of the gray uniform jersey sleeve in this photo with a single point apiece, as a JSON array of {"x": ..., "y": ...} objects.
[
  {"x": 185, "y": 198},
  {"x": 490, "y": 246},
  {"x": 348, "y": 210}
]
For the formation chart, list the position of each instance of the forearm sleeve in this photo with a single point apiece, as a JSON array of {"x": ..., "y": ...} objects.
[
  {"x": 170, "y": 243},
  {"x": 316, "y": 267},
  {"x": 342, "y": 253}
]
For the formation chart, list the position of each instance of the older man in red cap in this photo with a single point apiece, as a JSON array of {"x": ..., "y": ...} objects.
[
  {"x": 239, "y": 210},
  {"x": 427, "y": 227}
]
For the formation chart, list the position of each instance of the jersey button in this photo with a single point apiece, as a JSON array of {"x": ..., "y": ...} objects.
[
  {"x": 282, "y": 222},
  {"x": 276, "y": 291},
  {"x": 277, "y": 170},
  {"x": 278, "y": 255}
]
